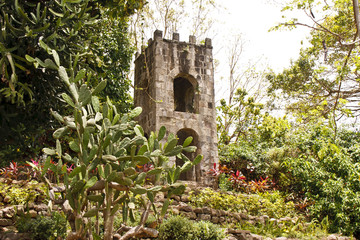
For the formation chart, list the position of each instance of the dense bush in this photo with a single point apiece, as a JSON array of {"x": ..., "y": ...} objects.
[
  {"x": 23, "y": 193},
  {"x": 181, "y": 228},
  {"x": 271, "y": 204},
  {"x": 316, "y": 165},
  {"x": 40, "y": 228}
]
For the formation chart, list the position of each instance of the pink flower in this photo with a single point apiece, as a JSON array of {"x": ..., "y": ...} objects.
[
  {"x": 70, "y": 168},
  {"x": 36, "y": 163}
]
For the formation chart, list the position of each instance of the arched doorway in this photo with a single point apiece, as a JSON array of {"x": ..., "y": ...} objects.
[
  {"x": 184, "y": 94},
  {"x": 194, "y": 173}
]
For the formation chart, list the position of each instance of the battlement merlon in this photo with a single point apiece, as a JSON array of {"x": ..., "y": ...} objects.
[{"x": 158, "y": 35}]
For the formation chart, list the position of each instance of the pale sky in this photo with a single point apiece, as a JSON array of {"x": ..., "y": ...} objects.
[{"x": 252, "y": 19}]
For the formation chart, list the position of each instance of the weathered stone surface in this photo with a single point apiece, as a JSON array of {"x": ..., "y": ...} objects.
[
  {"x": 215, "y": 220},
  {"x": 204, "y": 217},
  {"x": 5, "y": 222},
  {"x": 185, "y": 208},
  {"x": 180, "y": 76},
  {"x": 256, "y": 237},
  {"x": 198, "y": 210},
  {"x": 206, "y": 210},
  {"x": 6, "y": 199},
  {"x": 185, "y": 198},
  {"x": 8, "y": 212},
  {"x": 190, "y": 215},
  {"x": 41, "y": 207},
  {"x": 33, "y": 213}
]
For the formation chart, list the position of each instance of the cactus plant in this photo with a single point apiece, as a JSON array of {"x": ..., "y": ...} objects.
[{"x": 108, "y": 151}]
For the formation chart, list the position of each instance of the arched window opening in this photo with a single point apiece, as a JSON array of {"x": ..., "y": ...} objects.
[
  {"x": 192, "y": 174},
  {"x": 184, "y": 95}
]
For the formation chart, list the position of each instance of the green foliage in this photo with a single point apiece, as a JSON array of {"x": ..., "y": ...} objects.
[
  {"x": 109, "y": 152},
  {"x": 322, "y": 81},
  {"x": 181, "y": 228},
  {"x": 271, "y": 204},
  {"x": 297, "y": 230},
  {"x": 240, "y": 115},
  {"x": 40, "y": 228},
  {"x": 90, "y": 33},
  {"x": 22, "y": 194},
  {"x": 177, "y": 228},
  {"x": 207, "y": 231}
]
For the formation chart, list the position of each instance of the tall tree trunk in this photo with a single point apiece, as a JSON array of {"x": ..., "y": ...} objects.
[{"x": 356, "y": 16}]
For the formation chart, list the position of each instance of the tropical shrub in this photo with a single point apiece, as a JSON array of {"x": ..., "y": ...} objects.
[
  {"x": 43, "y": 227},
  {"x": 271, "y": 204},
  {"x": 181, "y": 228},
  {"x": 23, "y": 193}
]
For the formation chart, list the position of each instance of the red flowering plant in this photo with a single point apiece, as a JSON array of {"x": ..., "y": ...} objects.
[
  {"x": 261, "y": 185},
  {"x": 12, "y": 172},
  {"x": 238, "y": 180},
  {"x": 217, "y": 171},
  {"x": 35, "y": 168}
]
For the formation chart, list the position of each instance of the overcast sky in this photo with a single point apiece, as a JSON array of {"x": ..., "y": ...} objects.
[{"x": 253, "y": 19}]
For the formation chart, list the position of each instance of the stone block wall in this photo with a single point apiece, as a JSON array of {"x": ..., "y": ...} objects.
[{"x": 156, "y": 68}]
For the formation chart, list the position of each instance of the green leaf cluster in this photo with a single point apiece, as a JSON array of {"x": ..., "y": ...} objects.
[
  {"x": 87, "y": 34},
  {"x": 110, "y": 151},
  {"x": 178, "y": 227}
]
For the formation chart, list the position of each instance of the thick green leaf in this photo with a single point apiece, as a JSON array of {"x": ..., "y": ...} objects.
[
  {"x": 143, "y": 150},
  {"x": 109, "y": 158},
  {"x": 96, "y": 198},
  {"x": 63, "y": 75},
  {"x": 139, "y": 131},
  {"x": 135, "y": 112},
  {"x": 150, "y": 195},
  {"x": 186, "y": 166},
  {"x": 95, "y": 103},
  {"x": 92, "y": 212},
  {"x": 140, "y": 178},
  {"x": 74, "y": 91},
  {"x": 129, "y": 171},
  {"x": 155, "y": 189},
  {"x": 91, "y": 182},
  {"x": 189, "y": 149},
  {"x": 68, "y": 99},
  {"x": 80, "y": 75},
  {"x": 170, "y": 145},
  {"x": 49, "y": 151},
  {"x": 84, "y": 95},
  {"x": 74, "y": 146},
  {"x": 58, "y": 148},
  {"x": 115, "y": 209},
  {"x": 154, "y": 171},
  {"x": 108, "y": 169},
  {"x": 175, "y": 151},
  {"x": 138, "y": 190},
  {"x": 60, "y": 132},
  {"x": 198, "y": 159},
  {"x": 165, "y": 207},
  {"x": 57, "y": 116},
  {"x": 50, "y": 64},
  {"x": 99, "y": 87},
  {"x": 162, "y": 132},
  {"x": 56, "y": 57},
  {"x": 75, "y": 172},
  {"x": 141, "y": 160},
  {"x": 187, "y": 141}
]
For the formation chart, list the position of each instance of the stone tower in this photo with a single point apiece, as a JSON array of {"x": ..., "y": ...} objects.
[{"x": 174, "y": 84}]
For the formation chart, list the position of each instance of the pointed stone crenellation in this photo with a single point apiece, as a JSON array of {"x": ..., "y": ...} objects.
[{"x": 174, "y": 84}]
